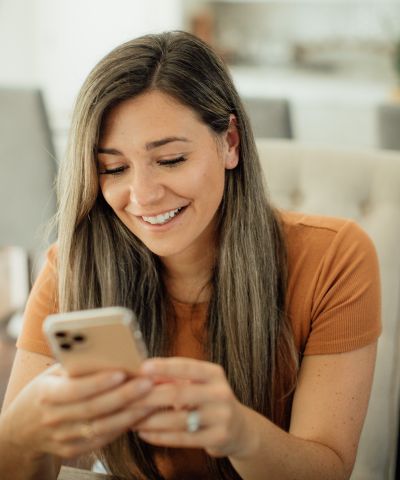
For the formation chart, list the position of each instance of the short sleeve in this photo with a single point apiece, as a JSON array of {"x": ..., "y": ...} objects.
[
  {"x": 346, "y": 306},
  {"x": 42, "y": 301}
]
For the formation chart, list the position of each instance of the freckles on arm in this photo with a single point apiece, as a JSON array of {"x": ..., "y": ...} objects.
[
  {"x": 331, "y": 400},
  {"x": 329, "y": 408}
]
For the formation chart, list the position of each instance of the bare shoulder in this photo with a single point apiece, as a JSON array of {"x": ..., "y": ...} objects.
[{"x": 27, "y": 365}]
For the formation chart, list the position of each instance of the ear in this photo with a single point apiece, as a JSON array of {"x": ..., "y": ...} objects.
[{"x": 232, "y": 142}]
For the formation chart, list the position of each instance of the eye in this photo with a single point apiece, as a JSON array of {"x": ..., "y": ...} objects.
[
  {"x": 173, "y": 162},
  {"x": 113, "y": 171}
]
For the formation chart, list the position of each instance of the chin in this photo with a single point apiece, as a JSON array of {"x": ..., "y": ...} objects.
[{"x": 165, "y": 251}]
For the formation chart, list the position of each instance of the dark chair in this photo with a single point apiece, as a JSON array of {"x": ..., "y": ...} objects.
[
  {"x": 27, "y": 199},
  {"x": 269, "y": 117},
  {"x": 28, "y": 168}
]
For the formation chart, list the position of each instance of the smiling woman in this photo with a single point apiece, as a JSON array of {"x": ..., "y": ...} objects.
[
  {"x": 264, "y": 323},
  {"x": 165, "y": 188}
]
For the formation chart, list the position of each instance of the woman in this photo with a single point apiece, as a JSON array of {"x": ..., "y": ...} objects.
[{"x": 265, "y": 323}]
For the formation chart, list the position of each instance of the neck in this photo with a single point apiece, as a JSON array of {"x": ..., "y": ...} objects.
[{"x": 187, "y": 278}]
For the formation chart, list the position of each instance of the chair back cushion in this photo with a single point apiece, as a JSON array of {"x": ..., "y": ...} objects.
[{"x": 365, "y": 186}]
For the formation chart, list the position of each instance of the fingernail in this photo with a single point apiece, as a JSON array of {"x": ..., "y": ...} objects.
[
  {"x": 148, "y": 367},
  {"x": 144, "y": 384},
  {"x": 118, "y": 377}
]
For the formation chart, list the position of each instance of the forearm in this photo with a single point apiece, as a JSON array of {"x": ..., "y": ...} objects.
[
  {"x": 277, "y": 455},
  {"x": 16, "y": 464}
]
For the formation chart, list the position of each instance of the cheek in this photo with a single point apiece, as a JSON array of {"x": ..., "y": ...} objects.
[
  {"x": 209, "y": 190},
  {"x": 214, "y": 181},
  {"x": 114, "y": 194}
]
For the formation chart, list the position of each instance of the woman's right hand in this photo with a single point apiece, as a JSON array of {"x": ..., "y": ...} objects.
[{"x": 67, "y": 417}]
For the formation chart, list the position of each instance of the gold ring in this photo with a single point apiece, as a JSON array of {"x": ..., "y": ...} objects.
[{"x": 86, "y": 430}]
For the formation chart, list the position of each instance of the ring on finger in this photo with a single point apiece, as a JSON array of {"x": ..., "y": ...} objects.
[
  {"x": 87, "y": 430},
  {"x": 193, "y": 421}
]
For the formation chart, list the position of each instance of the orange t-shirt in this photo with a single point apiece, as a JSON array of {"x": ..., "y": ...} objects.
[{"x": 333, "y": 302}]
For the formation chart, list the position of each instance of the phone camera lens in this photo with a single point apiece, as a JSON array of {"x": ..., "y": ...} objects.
[
  {"x": 61, "y": 334},
  {"x": 79, "y": 338},
  {"x": 66, "y": 346}
]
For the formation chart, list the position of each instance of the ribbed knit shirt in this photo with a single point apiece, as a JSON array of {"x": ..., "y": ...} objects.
[{"x": 332, "y": 298}]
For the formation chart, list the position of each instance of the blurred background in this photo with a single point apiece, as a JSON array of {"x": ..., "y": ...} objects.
[
  {"x": 323, "y": 72},
  {"x": 319, "y": 71},
  {"x": 335, "y": 60}
]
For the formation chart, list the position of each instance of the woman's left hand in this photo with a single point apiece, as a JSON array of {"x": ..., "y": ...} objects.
[{"x": 193, "y": 394}]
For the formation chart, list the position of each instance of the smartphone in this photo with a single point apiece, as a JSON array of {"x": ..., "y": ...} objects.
[{"x": 87, "y": 341}]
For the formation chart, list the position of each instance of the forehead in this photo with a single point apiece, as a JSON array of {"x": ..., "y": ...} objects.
[{"x": 148, "y": 114}]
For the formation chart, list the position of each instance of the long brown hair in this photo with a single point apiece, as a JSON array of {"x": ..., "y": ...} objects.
[{"x": 102, "y": 263}]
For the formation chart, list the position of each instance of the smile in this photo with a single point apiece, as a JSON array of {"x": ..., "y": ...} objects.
[{"x": 163, "y": 217}]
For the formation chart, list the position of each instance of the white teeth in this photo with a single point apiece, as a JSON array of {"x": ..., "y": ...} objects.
[{"x": 163, "y": 218}]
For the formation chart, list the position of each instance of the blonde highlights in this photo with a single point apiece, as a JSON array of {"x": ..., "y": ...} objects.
[{"x": 101, "y": 263}]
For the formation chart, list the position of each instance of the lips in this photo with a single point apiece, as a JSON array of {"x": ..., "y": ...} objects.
[
  {"x": 160, "y": 221},
  {"x": 162, "y": 218}
]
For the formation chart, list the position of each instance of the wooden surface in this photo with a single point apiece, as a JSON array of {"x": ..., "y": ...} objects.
[{"x": 69, "y": 473}]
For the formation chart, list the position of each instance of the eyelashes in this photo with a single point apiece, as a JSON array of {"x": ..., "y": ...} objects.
[
  {"x": 172, "y": 162},
  {"x": 164, "y": 163},
  {"x": 112, "y": 171}
]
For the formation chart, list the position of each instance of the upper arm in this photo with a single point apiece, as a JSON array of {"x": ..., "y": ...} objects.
[
  {"x": 42, "y": 301},
  {"x": 26, "y": 366},
  {"x": 331, "y": 400}
]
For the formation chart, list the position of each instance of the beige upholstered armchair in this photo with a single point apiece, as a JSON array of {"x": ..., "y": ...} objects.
[{"x": 365, "y": 186}]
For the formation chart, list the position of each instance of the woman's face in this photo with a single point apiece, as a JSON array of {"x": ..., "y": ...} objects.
[{"x": 163, "y": 174}]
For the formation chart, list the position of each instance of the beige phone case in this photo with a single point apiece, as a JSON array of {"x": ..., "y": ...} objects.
[{"x": 87, "y": 341}]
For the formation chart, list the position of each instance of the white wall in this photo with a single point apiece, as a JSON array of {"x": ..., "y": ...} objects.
[
  {"x": 17, "y": 63},
  {"x": 53, "y": 44}
]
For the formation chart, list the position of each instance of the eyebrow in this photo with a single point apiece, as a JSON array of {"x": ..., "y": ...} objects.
[
  {"x": 148, "y": 146},
  {"x": 164, "y": 141}
]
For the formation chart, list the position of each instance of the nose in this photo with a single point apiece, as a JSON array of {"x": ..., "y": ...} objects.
[{"x": 145, "y": 189}]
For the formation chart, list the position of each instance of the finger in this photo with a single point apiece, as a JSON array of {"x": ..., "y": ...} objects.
[
  {"x": 177, "y": 420},
  {"x": 111, "y": 425},
  {"x": 121, "y": 421},
  {"x": 215, "y": 440},
  {"x": 79, "y": 446},
  {"x": 101, "y": 405},
  {"x": 59, "y": 390},
  {"x": 55, "y": 369},
  {"x": 184, "y": 395},
  {"x": 169, "y": 420},
  {"x": 181, "y": 439},
  {"x": 182, "y": 368}
]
